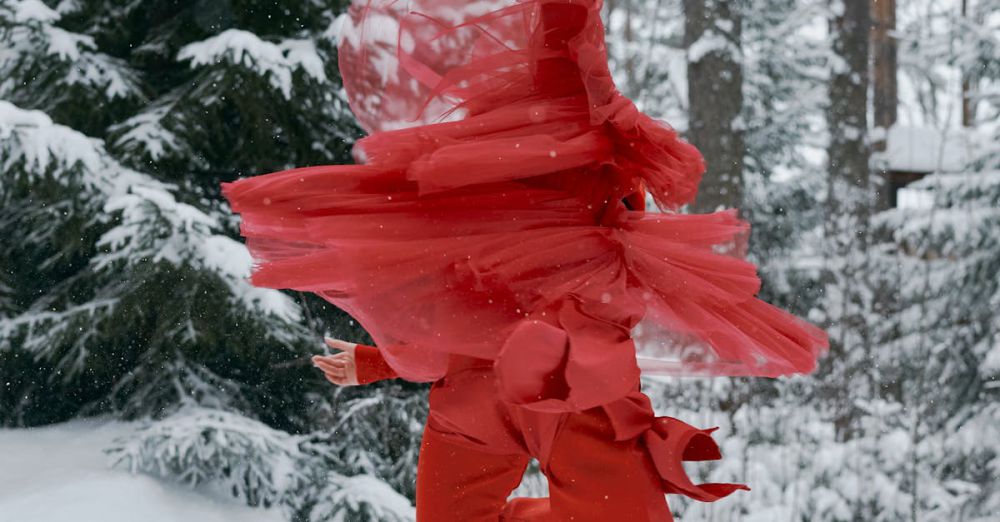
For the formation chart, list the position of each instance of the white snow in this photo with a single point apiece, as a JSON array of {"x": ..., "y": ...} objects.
[
  {"x": 145, "y": 131},
  {"x": 924, "y": 149},
  {"x": 60, "y": 473},
  {"x": 34, "y": 10},
  {"x": 67, "y": 45},
  {"x": 711, "y": 42},
  {"x": 226, "y": 256},
  {"x": 359, "y": 492},
  {"x": 68, "y": 6},
  {"x": 43, "y": 143},
  {"x": 276, "y": 62},
  {"x": 33, "y": 36},
  {"x": 303, "y": 54}
]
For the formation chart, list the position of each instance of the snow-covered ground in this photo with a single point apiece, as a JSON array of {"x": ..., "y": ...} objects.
[{"x": 60, "y": 473}]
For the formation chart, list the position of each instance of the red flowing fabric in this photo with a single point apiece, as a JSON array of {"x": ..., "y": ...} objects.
[
  {"x": 485, "y": 222},
  {"x": 490, "y": 188}
]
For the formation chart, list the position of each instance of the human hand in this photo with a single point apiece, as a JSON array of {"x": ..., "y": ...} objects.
[{"x": 340, "y": 368}]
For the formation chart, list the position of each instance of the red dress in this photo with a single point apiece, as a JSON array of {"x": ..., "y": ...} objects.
[{"x": 485, "y": 220}]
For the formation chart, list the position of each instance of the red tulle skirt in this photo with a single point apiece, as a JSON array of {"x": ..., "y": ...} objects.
[{"x": 490, "y": 189}]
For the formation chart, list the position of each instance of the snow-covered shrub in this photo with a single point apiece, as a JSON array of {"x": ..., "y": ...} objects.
[
  {"x": 361, "y": 498},
  {"x": 198, "y": 446},
  {"x": 233, "y": 454},
  {"x": 377, "y": 432}
]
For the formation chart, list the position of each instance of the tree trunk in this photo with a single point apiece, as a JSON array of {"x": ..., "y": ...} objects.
[
  {"x": 849, "y": 206},
  {"x": 712, "y": 35},
  {"x": 968, "y": 106},
  {"x": 884, "y": 51},
  {"x": 847, "y": 113},
  {"x": 885, "y": 91}
]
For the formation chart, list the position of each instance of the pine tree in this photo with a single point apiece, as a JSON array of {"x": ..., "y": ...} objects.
[
  {"x": 125, "y": 291},
  {"x": 117, "y": 289},
  {"x": 940, "y": 348},
  {"x": 130, "y": 291}
]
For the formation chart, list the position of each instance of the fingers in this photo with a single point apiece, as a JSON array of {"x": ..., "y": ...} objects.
[
  {"x": 335, "y": 369},
  {"x": 337, "y": 344},
  {"x": 338, "y": 368},
  {"x": 338, "y": 378},
  {"x": 339, "y": 381},
  {"x": 338, "y": 358}
]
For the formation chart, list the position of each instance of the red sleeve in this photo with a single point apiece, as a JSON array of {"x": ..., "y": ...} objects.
[{"x": 371, "y": 365}]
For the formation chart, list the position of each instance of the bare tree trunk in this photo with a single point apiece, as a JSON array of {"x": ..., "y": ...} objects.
[
  {"x": 885, "y": 90},
  {"x": 712, "y": 33},
  {"x": 884, "y": 51},
  {"x": 968, "y": 106},
  {"x": 849, "y": 204},
  {"x": 847, "y": 114}
]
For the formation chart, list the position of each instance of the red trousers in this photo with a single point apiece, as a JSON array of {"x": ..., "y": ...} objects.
[
  {"x": 475, "y": 450},
  {"x": 591, "y": 477},
  {"x": 611, "y": 462}
]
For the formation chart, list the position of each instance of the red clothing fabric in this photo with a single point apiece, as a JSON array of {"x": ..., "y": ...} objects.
[
  {"x": 592, "y": 477},
  {"x": 483, "y": 242},
  {"x": 371, "y": 366},
  {"x": 477, "y": 442},
  {"x": 451, "y": 232}
]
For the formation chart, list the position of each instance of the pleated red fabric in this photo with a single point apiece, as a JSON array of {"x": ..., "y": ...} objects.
[{"x": 489, "y": 192}]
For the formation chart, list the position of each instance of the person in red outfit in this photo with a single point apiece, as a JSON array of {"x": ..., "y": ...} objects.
[
  {"x": 476, "y": 447},
  {"x": 492, "y": 242}
]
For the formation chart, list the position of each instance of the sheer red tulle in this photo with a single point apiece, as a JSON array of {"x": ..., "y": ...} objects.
[{"x": 490, "y": 191}]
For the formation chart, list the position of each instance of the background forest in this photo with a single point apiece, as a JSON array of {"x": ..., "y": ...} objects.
[{"x": 861, "y": 138}]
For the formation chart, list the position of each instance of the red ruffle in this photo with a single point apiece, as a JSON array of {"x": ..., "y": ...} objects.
[
  {"x": 453, "y": 234},
  {"x": 445, "y": 58},
  {"x": 671, "y": 442}
]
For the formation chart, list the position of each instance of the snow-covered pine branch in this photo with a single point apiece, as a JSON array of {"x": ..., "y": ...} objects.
[
  {"x": 277, "y": 62},
  {"x": 237, "y": 71},
  {"x": 44, "y": 66},
  {"x": 133, "y": 232}
]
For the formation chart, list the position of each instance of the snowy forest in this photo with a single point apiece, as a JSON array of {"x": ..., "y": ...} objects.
[{"x": 860, "y": 137}]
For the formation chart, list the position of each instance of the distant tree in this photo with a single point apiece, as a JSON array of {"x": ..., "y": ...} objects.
[
  {"x": 712, "y": 34},
  {"x": 848, "y": 207},
  {"x": 885, "y": 89}
]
